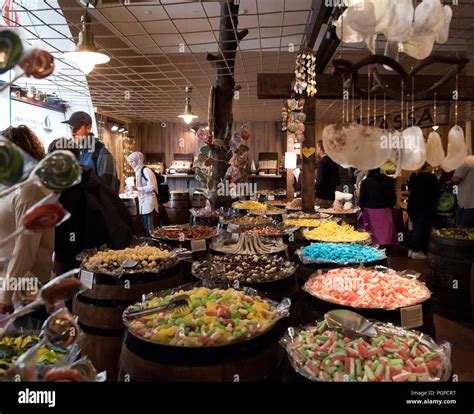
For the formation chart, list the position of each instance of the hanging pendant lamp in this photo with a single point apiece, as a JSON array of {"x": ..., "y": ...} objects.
[{"x": 86, "y": 55}]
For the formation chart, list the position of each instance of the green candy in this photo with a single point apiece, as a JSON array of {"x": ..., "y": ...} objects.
[
  {"x": 11, "y": 163},
  {"x": 11, "y": 50},
  {"x": 58, "y": 171}
]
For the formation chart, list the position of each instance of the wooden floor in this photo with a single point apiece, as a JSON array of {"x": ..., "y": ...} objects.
[{"x": 459, "y": 334}]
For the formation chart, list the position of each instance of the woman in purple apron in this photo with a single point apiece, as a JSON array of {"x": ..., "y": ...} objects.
[{"x": 376, "y": 200}]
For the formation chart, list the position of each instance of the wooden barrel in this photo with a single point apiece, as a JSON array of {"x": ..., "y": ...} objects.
[
  {"x": 100, "y": 312},
  {"x": 252, "y": 360},
  {"x": 176, "y": 211},
  {"x": 451, "y": 277}
]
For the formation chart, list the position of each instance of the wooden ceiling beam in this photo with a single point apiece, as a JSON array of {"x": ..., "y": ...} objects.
[{"x": 278, "y": 86}]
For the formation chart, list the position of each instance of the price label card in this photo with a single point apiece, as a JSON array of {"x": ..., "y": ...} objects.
[
  {"x": 181, "y": 237},
  {"x": 198, "y": 245},
  {"x": 271, "y": 198},
  {"x": 235, "y": 237},
  {"x": 87, "y": 279},
  {"x": 411, "y": 316}
]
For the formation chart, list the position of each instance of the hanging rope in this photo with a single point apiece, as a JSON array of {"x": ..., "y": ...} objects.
[
  {"x": 368, "y": 100},
  {"x": 456, "y": 101}
]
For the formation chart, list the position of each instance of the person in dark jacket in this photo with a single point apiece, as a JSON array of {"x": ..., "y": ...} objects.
[
  {"x": 424, "y": 193},
  {"x": 327, "y": 179},
  {"x": 98, "y": 217},
  {"x": 376, "y": 200}
]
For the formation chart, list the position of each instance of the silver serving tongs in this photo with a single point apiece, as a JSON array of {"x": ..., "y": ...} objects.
[
  {"x": 179, "y": 304},
  {"x": 350, "y": 323}
]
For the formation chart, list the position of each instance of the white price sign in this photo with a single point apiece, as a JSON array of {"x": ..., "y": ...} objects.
[
  {"x": 87, "y": 279},
  {"x": 198, "y": 245},
  {"x": 411, "y": 316}
]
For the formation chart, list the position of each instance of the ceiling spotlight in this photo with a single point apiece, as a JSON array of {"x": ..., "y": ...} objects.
[
  {"x": 86, "y": 55},
  {"x": 114, "y": 128},
  {"x": 122, "y": 129},
  {"x": 435, "y": 127},
  {"x": 188, "y": 115}
]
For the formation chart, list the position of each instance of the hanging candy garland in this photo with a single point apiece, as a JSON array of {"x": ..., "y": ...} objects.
[
  {"x": 239, "y": 161},
  {"x": 305, "y": 72},
  {"x": 293, "y": 119},
  {"x": 203, "y": 163}
]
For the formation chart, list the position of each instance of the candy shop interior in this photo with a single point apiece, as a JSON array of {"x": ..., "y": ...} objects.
[{"x": 253, "y": 190}]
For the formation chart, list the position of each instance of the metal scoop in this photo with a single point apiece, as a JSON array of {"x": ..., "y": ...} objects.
[{"x": 350, "y": 323}]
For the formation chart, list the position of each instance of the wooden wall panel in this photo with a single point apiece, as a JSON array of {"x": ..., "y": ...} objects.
[{"x": 152, "y": 137}]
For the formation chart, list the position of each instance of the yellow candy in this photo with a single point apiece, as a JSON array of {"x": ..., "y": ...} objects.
[
  {"x": 250, "y": 205},
  {"x": 333, "y": 232}
]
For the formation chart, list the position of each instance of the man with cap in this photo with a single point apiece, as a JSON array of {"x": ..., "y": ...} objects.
[{"x": 94, "y": 154}]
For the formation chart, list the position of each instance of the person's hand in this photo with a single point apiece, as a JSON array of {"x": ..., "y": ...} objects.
[{"x": 6, "y": 308}]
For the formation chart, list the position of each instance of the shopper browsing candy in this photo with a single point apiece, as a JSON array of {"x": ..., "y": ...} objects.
[
  {"x": 147, "y": 187},
  {"x": 464, "y": 180},
  {"x": 28, "y": 252}
]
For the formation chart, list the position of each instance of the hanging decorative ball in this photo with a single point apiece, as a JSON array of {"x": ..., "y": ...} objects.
[
  {"x": 293, "y": 127},
  {"x": 245, "y": 134},
  {"x": 38, "y": 64},
  {"x": 237, "y": 137},
  {"x": 202, "y": 134},
  {"x": 205, "y": 149},
  {"x": 301, "y": 117}
]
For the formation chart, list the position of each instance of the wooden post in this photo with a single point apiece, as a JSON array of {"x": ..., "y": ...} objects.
[
  {"x": 309, "y": 162},
  {"x": 223, "y": 63}
]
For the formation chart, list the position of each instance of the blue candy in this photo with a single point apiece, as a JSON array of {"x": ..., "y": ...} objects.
[{"x": 342, "y": 253}]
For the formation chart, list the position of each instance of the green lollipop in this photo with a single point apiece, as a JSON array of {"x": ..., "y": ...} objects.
[
  {"x": 58, "y": 171},
  {"x": 11, "y": 50},
  {"x": 11, "y": 163}
]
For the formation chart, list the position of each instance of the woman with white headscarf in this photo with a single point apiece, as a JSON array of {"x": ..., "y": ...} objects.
[{"x": 147, "y": 187}]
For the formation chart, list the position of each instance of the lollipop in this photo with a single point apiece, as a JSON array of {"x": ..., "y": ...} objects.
[
  {"x": 11, "y": 50},
  {"x": 37, "y": 219},
  {"x": 11, "y": 163},
  {"x": 43, "y": 217},
  {"x": 38, "y": 63},
  {"x": 58, "y": 171}
]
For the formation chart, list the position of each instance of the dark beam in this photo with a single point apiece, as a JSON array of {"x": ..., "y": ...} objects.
[
  {"x": 278, "y": 86},
  {"x": 320, "y": 15}
]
